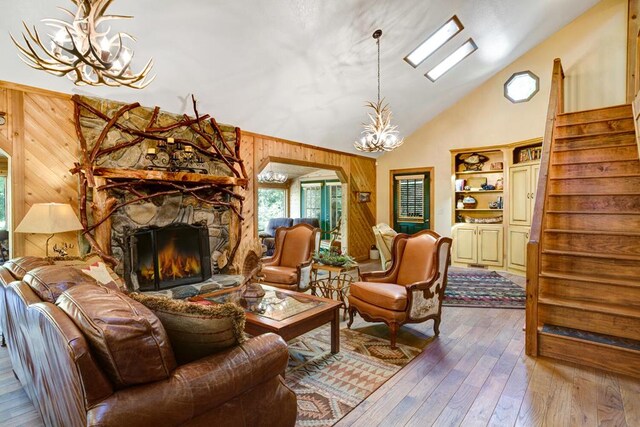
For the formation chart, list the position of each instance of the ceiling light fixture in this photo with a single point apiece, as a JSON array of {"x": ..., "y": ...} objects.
[
  {"x": 436, "y": 40},
  {"x": 450, "y": 61},
  {"x": 521, "y": 87},
  {"x": 83, "y": 50},
  {"x": 271, "y": 177},
  {"x": 379, "y": 135}
]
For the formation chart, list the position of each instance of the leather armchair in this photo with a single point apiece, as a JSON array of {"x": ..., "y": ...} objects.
[
  {"x": 411, "y": 290},
  {"x": 290, "y": 265}
]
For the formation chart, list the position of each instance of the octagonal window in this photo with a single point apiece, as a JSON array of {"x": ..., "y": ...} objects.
[{"x": 521, "y": 86}]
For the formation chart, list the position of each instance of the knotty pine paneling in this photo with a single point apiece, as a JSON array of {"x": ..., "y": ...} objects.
[
  {"x": 51, "y": 148},
  {"x": 40, "y": 128},
  {"x": 359, "y": 173}
]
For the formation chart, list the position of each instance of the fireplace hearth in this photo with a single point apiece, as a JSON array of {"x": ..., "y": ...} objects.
[{"x": 159, "y": 258}]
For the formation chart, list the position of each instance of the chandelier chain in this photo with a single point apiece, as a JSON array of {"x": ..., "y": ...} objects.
[{"x": 378, "y": 43}]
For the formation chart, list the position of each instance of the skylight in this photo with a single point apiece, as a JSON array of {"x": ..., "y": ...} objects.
[
  {"x": 521, "y": 87},
  {"x": 442, "y": 35},
  {"x": 450, "y": 61}
]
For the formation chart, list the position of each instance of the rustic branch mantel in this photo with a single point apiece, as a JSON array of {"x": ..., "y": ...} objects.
[{"x": 207, "y": 189}]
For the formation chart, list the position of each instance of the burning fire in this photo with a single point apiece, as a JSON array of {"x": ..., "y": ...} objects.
[{"x": 172, "y": 265}]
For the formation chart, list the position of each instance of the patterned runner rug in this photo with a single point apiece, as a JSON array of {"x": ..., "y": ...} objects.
[
  {"x": 328, "y": 386},
  {"x": 477, "y": 288}
]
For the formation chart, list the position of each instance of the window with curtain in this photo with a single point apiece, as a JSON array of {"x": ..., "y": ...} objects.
[
  {"x": 272, "y": 203},
  {"x": 410, "y": 197}
]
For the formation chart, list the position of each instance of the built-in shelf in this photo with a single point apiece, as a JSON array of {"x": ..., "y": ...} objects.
[
  {"x": 479, "y": 172},
  {"x": 476, "y": 210},
  {"x": 479, "y": 191},
  {"x": 155, "y": 175}
]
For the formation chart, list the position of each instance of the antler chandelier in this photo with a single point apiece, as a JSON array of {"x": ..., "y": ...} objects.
[
  {"x": 271, "y": 177},
  {"x": 378, "y": 135},
  {"x": 83, "y": 50}
]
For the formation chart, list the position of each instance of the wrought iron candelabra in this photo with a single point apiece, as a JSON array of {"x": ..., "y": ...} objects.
[{"x": 174, "y": 156}]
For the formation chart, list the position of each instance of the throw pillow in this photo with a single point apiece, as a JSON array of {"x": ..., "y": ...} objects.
[
  {"x": 94, "y": 263},
  {"x": 125, "y": 336},
  {"x": 196, "y": 330}
]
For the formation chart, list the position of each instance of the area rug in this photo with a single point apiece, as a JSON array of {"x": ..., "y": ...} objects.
[
  {"x": 477, "y": 288},
  {"x": 328, "y": 386}
]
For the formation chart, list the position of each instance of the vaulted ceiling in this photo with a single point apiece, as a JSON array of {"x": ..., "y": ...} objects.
[{"x": 302, "y": 69}]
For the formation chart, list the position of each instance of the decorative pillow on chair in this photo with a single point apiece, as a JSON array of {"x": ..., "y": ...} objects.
[{"x": 196, "y": 330}]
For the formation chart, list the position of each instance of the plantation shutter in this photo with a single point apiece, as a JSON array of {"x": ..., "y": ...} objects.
[{"x": 410, "y": 197}]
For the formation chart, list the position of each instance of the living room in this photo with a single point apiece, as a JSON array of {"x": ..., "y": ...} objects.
[{"x": 306, "y": 213}]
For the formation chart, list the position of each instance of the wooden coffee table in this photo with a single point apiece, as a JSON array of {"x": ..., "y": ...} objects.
[{"x": 283, "y": 312}]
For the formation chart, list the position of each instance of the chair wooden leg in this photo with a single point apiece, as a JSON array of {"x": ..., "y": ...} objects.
[
  {"x": 352, "y": 312},
  {"x": 436, "y": 326},
  {"x": 393, "y": 328}
]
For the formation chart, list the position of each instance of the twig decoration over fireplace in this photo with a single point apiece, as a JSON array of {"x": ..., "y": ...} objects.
[{"x": 141, "y": 184}]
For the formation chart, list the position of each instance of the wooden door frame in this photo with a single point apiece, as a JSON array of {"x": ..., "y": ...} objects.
[{"x": 426, "y": 170}]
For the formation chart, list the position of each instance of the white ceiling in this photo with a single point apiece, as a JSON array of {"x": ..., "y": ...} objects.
[{"x": 302, "y": 69}]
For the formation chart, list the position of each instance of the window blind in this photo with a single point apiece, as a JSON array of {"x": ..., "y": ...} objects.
[{"x": 410, "y": 197}]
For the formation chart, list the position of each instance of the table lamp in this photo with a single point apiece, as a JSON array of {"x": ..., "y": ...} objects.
[{"x": 49, "y": 218}]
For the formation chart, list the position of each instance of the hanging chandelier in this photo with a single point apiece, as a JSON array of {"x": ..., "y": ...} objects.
[
  {"x": 379, "y": 134},
  {"x": 83, "y": 50},
  {"x": 271, "y": 177}
]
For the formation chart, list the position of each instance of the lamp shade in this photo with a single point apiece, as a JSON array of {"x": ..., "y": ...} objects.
[{"x": 49, "y": 218}]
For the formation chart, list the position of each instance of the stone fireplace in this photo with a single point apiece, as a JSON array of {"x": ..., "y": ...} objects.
[
  {"x": 158, "y": 258},
  {"x": 160, "y": 227}
]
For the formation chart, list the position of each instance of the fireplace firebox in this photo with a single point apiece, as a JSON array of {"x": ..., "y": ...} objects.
[{"x": 164, "y": 257}]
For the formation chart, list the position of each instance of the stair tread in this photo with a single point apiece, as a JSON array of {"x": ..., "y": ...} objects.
[
  {"x": 591, "y": 279},
  {"x": 596, "y": 135},
  {"x": 593, "y": 194},
  {"x": 612, "y": 107},
  {"x": 629, "y": 143},
  {"x": 587, "y": 122},
  {"x": 591, "y": 255},
  {"x": 606, "y": 308},
  {"x": 578, "y": 334},
  {"x": 598, "y": 232},
  {"x": 625, "y": 175},
  {"x": 595, "y": 212}
]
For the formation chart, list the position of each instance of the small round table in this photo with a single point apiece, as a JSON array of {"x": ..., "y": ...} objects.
[{"x": 337, "y": 285}]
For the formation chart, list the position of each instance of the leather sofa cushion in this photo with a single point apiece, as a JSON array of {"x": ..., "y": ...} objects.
[
  {"x": 196, "y": 331},
  {"x": 21, "y": 266},
  {"x": 277, "y": 274},
  {"x": 50, "y": 281},
  {"x": 384, "y": 295},
  {"x": 125, "y": 336}
]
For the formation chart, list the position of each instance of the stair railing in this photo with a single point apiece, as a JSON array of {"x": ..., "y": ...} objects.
[{"x": 556, "y": 106}]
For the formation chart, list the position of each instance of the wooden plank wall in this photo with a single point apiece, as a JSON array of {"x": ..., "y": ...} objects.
[
  {"x": 40, "y": 138},
  {"x": 359, "y": 173}
]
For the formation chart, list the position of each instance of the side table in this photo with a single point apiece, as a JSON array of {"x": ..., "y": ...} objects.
[{"x": 337, "y": 285}]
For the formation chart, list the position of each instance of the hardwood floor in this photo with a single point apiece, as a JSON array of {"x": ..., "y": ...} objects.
[{"x": 474, "y": 374}]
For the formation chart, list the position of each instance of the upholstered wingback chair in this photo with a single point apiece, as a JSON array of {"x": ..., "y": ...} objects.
[
  {"x": 290, "y": 265},
  {"x": 411, "y": 290}
]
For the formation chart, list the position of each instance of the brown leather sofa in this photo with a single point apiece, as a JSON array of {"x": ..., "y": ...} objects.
[
  {"x": 290, "y": 265},
  {"x": 98, "y": 358}
]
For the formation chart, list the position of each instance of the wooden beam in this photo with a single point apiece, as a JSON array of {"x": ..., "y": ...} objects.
[
  {"x": 155, "y": 175},
  {"x": 17, "y": 132},
  {"x": 633, "y": 27}
]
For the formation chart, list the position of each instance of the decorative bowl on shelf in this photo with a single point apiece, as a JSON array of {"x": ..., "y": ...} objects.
[{"x": 469, "y": 202}]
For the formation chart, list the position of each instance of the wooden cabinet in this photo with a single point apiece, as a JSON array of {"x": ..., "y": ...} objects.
[
  {"x": 523, "y": 182},
  {"x": 478, "y": 244},
  {"x": 517, "y": 240}
]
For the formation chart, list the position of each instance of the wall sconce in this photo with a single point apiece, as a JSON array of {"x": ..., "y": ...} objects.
[{"x": 521, "y": 87}]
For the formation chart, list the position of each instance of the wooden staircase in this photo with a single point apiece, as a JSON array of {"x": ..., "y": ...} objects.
[{"x": 583, "y": 275}]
